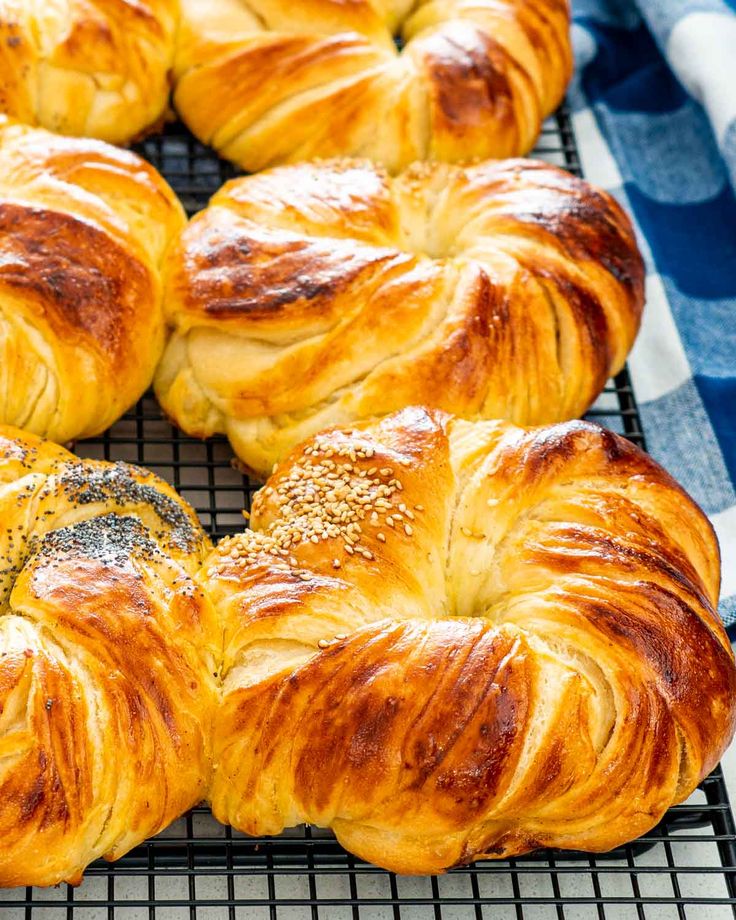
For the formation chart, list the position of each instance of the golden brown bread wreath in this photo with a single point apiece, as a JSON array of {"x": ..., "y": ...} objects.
[
  {"x": 445, "y": 639},
  {"x": 93, "y": 68},
  {"x": 318, "y": 294},
  {"x": 83, "y": 228},
  {"x": 274, "y": 81},
  {"x": 106, "y": 660}
]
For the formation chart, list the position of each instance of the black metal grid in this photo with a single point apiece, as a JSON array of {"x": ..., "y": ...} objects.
[{"x": 685, "y": 867}]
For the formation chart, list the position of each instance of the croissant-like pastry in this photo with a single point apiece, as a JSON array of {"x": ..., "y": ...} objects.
[
  {"x": 83, "y": 228},
  {"x": 448, "y": 640},
  {"x": 319, "y": 294},
  {"x": 274, "y": 81},
  {"x": 92, "y": 68},
  {"x": 107, "y": 655}
]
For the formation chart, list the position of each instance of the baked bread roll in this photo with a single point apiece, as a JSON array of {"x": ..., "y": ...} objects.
[
  {"x": 449, "y": 640},
  {"x": 274, "y": 81},
  {"x": 83, "y": 228},
  {"x": 107, "y": 655},
  {"x": 92, "y": 68},
  {"x": 319, "y": 294}
]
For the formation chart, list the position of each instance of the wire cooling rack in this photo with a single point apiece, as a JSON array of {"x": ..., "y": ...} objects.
[{"x": 685, "y": 867}]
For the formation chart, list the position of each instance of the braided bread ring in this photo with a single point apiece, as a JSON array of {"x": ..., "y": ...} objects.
[
  {"x": 107, "y": 656},
  {"x": 448, "y": 640},
  {"x": 319, "y": 294},
  {"x": 475, "y": 78},
  {"x": 83, "y": 229},
  {"x": 91, "y": 68}
]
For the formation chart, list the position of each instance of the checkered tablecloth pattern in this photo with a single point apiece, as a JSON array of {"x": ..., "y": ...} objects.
[{"x": 654, "y": 101}]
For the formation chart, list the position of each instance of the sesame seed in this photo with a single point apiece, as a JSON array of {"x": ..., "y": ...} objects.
[
  {"x": 341, "y": 636},
  {"x": 408, "y": 530},
  {"x": 324, "y": 643},
  {"x": 380, "y": 536}
]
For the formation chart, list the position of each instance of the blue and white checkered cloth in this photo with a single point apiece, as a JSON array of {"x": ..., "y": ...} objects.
[{"x": 654, "y": 100}]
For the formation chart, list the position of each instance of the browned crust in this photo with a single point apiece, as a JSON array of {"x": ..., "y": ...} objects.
[
  {"x": 464, "y": 92},
  {"x": 589, "y": 685},
  {"x": 84, "y": 284},
  {"x": 105, "y": 642},
  {"x": 524, "y": 299}
]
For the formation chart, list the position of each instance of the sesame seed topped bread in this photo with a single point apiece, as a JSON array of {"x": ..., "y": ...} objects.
[
  {"x": 107, "y": 654},
  {"x": 83, "y": 229},
  {"x": 447, "y": 640},
  {"x": 473, "y": 78},
  {"x": 322, "y": 293},
  {"x": 91, "y": 68}
]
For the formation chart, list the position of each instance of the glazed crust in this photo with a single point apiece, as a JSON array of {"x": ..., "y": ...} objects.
[
  {"x": 526, "y": 654},
  {"x": 83, "y": 229},
  {"x": 474, "y": 78},
  {"x": 90, "y": 68},
  {"x": 318, "y": 294},
  {"x": 107, "y": 656}
]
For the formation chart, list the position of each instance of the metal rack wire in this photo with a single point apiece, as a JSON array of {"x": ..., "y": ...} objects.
[{"x": 685, "y": 867}]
